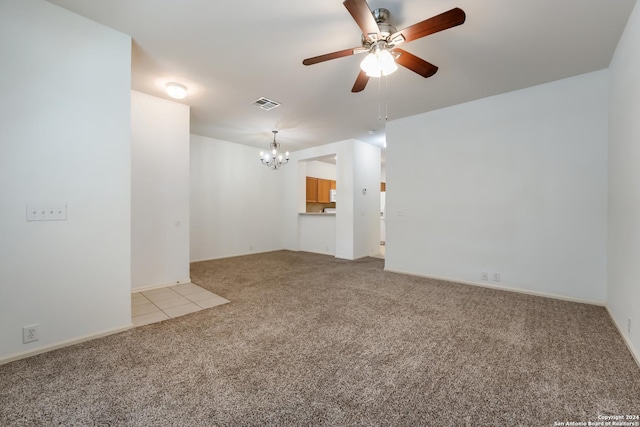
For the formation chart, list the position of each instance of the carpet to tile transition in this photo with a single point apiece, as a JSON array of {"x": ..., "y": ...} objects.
[{"x": 312, "y": 340}]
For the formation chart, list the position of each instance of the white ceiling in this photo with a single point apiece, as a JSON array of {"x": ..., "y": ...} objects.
[{"x": 229, "y": 53}]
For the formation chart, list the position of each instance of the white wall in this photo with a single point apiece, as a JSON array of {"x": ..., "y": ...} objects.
[
  {"x": 64, "y": 139},
  {"x": 357, "y": 166},
  {"x": 159, "y": 191},
  {"x": 515, "y": 184},
  {"x": 623, "y": 291},
  {"x": 318, "y": 234},
  {"x": 322, "y": 170},
  {"x": 366, "y": 204},
  {"x": 236, "y": 202},
  {"x": 294, "y": 185},
  {"x": 345, "y": 196}
]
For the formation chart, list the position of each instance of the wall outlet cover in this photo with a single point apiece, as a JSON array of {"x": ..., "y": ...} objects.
[{"x": 30, "y": 333}]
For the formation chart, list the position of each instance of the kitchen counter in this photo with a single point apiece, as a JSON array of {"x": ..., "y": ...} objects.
[{"x": 317, "y": 213}]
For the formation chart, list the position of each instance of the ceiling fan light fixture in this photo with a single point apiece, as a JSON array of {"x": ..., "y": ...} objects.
[
  {"x": 380, "y": 63},
  {"x": 387, "y": 63},
  {"x": 176, "y": 90},
  {"x": 370, "y": 65}
]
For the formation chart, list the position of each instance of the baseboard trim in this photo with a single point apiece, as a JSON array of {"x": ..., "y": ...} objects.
[
  {"x": 160, "y": 285},
  {"x": 236, "y": 255},
  {"x": 502, "y": 288},
  {"x": 62, "y": 344},
  {"x": 275, "y": 250},
  {"x": 627, "y": 341},
  {"x": 319, "y": 253}
]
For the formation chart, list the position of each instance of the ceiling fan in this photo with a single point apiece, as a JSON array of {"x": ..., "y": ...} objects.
[{"x": 379, "y": 39}]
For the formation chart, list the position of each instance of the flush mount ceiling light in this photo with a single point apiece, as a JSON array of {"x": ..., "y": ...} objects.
[
  {"x": 176, "y": 90},
  {"x": 274, "y": 159}
]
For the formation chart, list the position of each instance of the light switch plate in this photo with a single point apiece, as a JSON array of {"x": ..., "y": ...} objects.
[{"x": 47, "y": 212}]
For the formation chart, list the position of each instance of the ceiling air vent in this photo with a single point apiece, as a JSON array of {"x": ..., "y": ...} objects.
[{"x": 266, "y": 104}]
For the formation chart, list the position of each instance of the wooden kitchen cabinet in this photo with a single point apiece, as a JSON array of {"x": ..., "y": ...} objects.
[
  {"x": 319, "y": 190},
  {"x": 324, "y": 185},
  {"x": 312, "y": 189}
]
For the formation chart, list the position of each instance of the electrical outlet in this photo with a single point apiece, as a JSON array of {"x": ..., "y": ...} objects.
[
  {"x": 30, "y": 333},
  {"x": 485, "y": 275},
  {"x": 496, "y": 277}
]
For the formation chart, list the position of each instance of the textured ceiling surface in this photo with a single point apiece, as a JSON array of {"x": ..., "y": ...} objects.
[{"x": 230, "y": 53}]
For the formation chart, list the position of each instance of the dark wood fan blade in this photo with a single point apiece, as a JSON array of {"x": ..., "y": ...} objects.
[
  {"x": 432, "y": 25},
  {"x": 329, "y": 56},
  {"x": 361, "y": 13},
  {"x": 361, "y": 82},
  {"x": 415, "y": 64}
]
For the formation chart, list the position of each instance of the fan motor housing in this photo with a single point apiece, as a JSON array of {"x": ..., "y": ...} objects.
[{"x": 381, "y": 16}]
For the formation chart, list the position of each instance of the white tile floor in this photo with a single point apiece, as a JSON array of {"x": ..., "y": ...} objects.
[{"x": 160, "y": 304}]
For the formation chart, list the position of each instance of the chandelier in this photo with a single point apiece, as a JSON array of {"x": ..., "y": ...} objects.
[{"x": 274, "y": 159}]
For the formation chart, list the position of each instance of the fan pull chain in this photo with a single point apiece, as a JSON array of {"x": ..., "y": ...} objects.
[
  {"x": 379, "y": 101},
  {"x": 386, "y": 98}
]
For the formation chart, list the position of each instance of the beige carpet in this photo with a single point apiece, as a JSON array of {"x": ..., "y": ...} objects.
[{"x": 311, "y": 340}]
